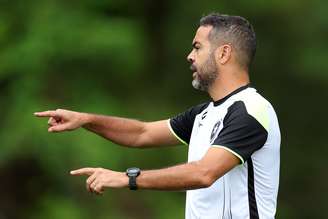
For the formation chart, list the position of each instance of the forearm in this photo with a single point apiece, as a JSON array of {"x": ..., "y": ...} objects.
[
  {"x": 123, "y": 131},
  {"x": 119, "y": 130},
  {"x": 192, "y": 175},
  {"x": 181, "y": 177}
]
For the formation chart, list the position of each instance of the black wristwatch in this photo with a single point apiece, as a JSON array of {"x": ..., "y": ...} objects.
[{"x": 133, "y": 173}]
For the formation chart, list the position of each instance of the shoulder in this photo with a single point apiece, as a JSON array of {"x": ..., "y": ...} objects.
[
  {"x": 199, "y": 108},
  {"x": 253, "y": 104}
]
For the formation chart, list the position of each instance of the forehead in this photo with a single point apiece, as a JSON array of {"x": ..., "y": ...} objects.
[{"x": 202, "y": 34}]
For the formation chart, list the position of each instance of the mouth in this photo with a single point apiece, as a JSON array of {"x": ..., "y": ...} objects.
[{"x": 194, "y": 70}]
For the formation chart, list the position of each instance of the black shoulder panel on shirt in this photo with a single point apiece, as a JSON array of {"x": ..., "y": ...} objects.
[
  {"x": 241, "y": 132},
  {"x": 183, "y": 123}
]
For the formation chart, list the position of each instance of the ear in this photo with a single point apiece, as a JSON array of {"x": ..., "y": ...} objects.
[{"x": 224, "y": 53}]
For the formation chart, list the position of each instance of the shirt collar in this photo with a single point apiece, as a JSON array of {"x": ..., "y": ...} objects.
[{"x": 220, "y": 101}]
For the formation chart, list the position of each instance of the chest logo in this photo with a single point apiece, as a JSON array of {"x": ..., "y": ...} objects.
[
  {"x": 202, "y": 118},
  {"x": 215, "y": 131},
  {"x": 204, "y": 115}
]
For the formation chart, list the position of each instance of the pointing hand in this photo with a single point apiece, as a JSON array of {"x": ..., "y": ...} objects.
[
  {"x": 62, "y": 120},
  {"x": 100, "y": 178}
]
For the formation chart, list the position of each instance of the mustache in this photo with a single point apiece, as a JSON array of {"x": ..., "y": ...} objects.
[{"x": 193, "y": 68}]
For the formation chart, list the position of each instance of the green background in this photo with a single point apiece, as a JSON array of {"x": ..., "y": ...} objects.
[{"x": 128, "y": 58}]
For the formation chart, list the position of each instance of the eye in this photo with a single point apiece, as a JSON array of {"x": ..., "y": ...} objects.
[{"x": 196, "y": 48}]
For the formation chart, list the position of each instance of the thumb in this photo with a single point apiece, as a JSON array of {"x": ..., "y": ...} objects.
[{"x": 60, "y": 128}]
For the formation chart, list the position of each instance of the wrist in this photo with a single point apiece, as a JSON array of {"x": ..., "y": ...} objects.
[
  {"x": 132, "y": 174},
  {"x": 85, "y": 119},
  {"x": 125, "y": 180}
]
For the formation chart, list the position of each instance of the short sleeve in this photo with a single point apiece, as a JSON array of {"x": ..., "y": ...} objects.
[
  {"x": 182, "y": 124},
  {"x": 242, "y": 133}
]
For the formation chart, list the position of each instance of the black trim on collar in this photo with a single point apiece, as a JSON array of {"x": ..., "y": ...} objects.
[{"x": 220, "y": 101}]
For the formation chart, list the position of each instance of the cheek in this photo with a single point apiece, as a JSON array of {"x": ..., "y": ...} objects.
[
  {"x": 199, "y": 58},
  {"x": 202, "y": 55}
]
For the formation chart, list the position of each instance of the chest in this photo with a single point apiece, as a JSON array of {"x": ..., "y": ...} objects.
[{"x": 207, "y": 127}]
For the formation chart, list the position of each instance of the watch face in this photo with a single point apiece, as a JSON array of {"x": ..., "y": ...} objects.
[{"x": 133, "y": 171}]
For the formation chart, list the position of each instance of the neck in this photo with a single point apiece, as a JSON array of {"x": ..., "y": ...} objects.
[{"x": 227, "y": 83}]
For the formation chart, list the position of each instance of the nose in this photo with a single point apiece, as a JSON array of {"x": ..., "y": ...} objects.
[{"x": 190, "y": 57}]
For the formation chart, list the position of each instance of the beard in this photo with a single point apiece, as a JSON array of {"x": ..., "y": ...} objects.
[{"x": 205, "y": 75}]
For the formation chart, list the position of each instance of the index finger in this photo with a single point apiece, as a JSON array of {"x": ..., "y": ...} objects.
[
  {"x": 49, "y": 113},
  {"x": 83, "y": 171}
]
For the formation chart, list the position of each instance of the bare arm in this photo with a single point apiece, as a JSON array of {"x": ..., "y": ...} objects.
[
  {"x": 123, "y": 131},
  {"x": 193, "y": 175},
  {"x": 130, "y": 132}
]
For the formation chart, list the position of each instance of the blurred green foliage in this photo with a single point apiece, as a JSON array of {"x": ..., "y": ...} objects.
[{"x": 128, "y": 58}]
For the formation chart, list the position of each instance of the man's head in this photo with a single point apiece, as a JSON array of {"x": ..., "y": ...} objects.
[{"x": 220, "y": 41}]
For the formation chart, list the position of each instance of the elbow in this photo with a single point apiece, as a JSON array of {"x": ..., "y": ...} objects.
[
  {"x": 135, "y": 144},
  {"x": 205, "y": 176},
  {"x": 138, "y": 143},
  {"x": 139, "y": 140},
  {"x": 206, "y": 181},
  {"x": 142, "y": 140}
]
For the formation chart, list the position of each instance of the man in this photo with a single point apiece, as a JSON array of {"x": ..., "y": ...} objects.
[{"x": 234, "y": 140}]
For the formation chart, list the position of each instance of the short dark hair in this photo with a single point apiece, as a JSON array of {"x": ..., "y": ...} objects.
[{"x": 235, "y": 30}]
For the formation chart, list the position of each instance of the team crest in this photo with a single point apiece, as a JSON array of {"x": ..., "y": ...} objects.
[{"x": 215, "y": 131}]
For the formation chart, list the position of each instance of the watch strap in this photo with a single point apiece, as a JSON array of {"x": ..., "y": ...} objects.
[{"x": 133, "y": 182}]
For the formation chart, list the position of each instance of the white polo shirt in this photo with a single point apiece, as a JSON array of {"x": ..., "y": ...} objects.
[{"x": 245, "y": 124}]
